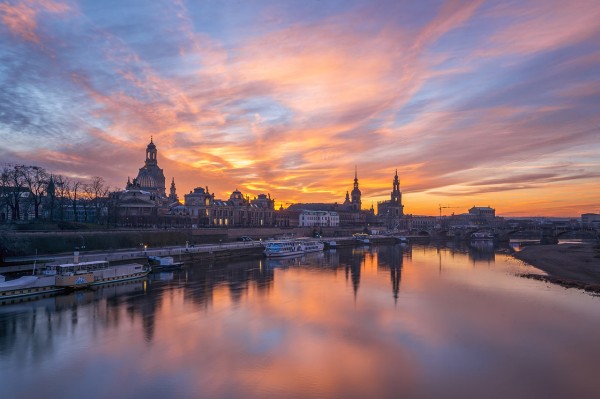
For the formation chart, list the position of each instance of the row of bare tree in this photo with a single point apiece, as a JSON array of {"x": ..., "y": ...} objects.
[{"x": 28, "y": 189}]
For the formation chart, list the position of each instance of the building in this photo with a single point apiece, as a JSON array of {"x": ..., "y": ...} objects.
[
  {"x": 353, "y": 202},
  {"x": 150, "y": 177},
  {"x": 308, "y": 218},
  {"x": 391, "y": 212},
  {"x": 482, "y": 215},
  {"x": 134, "y": 207},
  {"x": 416, "y": 222},
  {"x": 590, "y": 220},
  {"x": 144, "y": 202},
  {"x": 238, "y": 211},
  {"x": 198, "y": 204},
  {"x": 349, "y": 212}
]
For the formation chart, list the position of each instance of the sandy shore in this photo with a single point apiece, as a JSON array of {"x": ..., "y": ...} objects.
[{"x": 571, "y": 265}]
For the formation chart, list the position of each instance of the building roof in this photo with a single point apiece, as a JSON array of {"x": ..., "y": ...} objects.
[{"x": 316, "y": 206}]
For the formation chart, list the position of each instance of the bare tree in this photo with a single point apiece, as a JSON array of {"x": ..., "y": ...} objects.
[
  {"x": 4, "y": 190},
  {"x": 36, "y": 181},
  {"x": 62, "y": 185},
  {"x": 15, "y": 182},
  {"x": 73, "y": 192},
  {"x": 97, "y": 192}
]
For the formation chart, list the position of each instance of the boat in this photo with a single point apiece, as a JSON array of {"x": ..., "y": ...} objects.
[
  {"x": 482, "y": 235},
  {"x": 401, "y": 239},
  {"x": 86, "y": 274},
  {"x": 163, "y": 263},
  {"x": 27, "y": 285},
  {"x": 330, "y": 244},
  {"x": 362, "y": 239},
  {"x": 291, "y": 247}
]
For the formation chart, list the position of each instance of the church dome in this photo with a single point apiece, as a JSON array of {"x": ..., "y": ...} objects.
[
  {"x": 236, "y": 195},
  {"x": 146, "y": 179}
]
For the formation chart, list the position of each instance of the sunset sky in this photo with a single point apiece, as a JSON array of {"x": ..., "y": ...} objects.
[{"x": 473, "y": 102}]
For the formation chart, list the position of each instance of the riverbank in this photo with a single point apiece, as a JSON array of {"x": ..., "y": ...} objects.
[{"x": 570, "y": 265}]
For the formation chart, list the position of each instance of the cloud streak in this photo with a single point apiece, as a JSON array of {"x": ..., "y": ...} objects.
[{"x": 468, "y": 100}]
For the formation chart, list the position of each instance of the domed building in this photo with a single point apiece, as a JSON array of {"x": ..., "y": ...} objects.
[{"x": 150, "y": 177}]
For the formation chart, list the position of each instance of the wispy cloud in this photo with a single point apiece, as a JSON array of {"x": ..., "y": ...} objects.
[{"x": 466, "y": 99}]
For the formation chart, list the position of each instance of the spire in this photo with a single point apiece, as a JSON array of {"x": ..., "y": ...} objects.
[
  {"x": 356, "y": 192},
  {"x": 151, "y": 140}
]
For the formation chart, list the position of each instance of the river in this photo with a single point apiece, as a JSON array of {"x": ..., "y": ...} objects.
[{"x": 381, "y": 322}]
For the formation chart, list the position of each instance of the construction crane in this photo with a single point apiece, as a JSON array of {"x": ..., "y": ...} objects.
[{"x": 445, "y": 207}]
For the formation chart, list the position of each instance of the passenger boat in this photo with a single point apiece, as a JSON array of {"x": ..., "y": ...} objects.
[
  {"x": 362, "y": 238},
  {"x": 85, "y": 274},
  {"x": 163, "y": 263},
  {"x": 280, "y": 248},
  {"x": 27, "y": 285}
]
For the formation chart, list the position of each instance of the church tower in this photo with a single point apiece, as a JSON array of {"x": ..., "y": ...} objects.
[
  {"x": 347, "y": 200},
  {"x": 396, "y": 196},
  {"x": 356, "y": 202},
  {"x": 151, "y": 153},
  {"x": 173, "y": 192},
  {"x": 150, "y": 177}
]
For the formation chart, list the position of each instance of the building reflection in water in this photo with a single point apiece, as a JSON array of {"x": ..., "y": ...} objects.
[
  {"x": 207, "y": 330},
  {"x": 42, "y": 319},
  {"x": 390, "y": 259}
]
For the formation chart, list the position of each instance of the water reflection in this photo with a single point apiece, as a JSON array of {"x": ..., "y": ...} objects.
[{"x": 388, "y": 321}]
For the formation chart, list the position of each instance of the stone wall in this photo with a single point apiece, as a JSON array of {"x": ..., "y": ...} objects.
[{"x": 26, "y": 243}]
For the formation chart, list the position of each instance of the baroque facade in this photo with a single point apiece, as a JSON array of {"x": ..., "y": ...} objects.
[
  {"x": 237, "y": 211},
  {"x": 349, "y": 212},
  {"x": 144, "y": 199}
]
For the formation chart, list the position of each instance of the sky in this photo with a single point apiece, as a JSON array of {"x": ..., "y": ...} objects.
[{"x": 485, "y": 103}]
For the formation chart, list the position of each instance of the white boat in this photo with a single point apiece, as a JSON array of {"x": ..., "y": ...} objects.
[
  {"x": 401, "y": 239},
  {"x": 27, "y": 285},
  {"x": 163, "y": 263},
  {"x": 362, "y": 238},
  {"x": 299, "y": 246},
  {"x": 85, "y": 274}
]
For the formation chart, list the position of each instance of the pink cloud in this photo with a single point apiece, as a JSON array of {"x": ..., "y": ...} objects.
[{"x": 21, "y": 18}]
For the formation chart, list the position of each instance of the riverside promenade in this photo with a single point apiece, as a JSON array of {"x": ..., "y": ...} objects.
[
  {"x": 183, "y": 253},
  {"x": 207, "y": 253}
]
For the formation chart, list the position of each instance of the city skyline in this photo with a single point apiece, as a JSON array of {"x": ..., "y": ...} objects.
[{"x": 474, "y": 103}]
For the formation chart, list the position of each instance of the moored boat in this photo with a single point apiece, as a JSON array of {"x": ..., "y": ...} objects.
[
  {"x": 482, "y": 235},
  {"x": 163, "y": 263},
  {"x": 401, "y": 239},
  {"x": 28, "y": 285},
  {"x": 362, "y": 239},
  {"x": 280, "y": 248},
  {"x": 330, "y": 244},
  {"x": 85, "y": 274}
]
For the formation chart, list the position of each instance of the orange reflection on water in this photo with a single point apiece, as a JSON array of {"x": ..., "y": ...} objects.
[{"x": 368, "y": 322}]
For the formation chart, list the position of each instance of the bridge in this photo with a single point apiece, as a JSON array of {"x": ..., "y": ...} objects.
[{"x": 547, "y": 234}]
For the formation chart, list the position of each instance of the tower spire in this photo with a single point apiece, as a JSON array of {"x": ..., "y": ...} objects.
[{"x": 356, "y": 202}]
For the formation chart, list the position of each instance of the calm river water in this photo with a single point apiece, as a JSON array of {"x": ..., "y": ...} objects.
[{"x": 384, "y": 322}]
